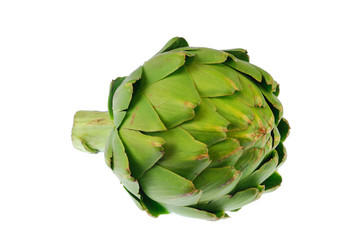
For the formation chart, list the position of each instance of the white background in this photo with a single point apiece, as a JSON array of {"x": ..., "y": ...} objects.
[{"x": 57, "y": 57}]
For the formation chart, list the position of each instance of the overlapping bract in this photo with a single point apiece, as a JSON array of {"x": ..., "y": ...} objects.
[{"x": 197, "y": 132}]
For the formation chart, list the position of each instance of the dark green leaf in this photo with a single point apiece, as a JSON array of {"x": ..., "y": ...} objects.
[
  {"x": 153, "y": 208},
  {"x": 273, "y": 182},
  {"x": 284, "y": 129},
  {"x": 239, "y": 53}
]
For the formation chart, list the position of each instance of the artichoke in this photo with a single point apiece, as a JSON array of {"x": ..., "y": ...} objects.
[{"x": 194, "y": 131}]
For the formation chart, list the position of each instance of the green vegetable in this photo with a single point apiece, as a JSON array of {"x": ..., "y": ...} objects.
[{"x": 194, "y": 131}]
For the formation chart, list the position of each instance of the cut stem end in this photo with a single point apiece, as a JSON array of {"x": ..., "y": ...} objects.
[{"x": 91, "y": 130}]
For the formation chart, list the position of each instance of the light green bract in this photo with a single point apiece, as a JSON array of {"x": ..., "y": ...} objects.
[{"x": 194, "y": 131}]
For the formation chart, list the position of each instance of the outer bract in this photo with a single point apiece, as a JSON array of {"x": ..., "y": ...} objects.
[{"x": 194, "y": 131}]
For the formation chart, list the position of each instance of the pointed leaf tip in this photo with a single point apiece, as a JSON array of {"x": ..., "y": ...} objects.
[
  {"x": 239, "y": 53},
  {"x": 272, "y": 182},
  {"x": 197, "y": 213},
  {"x": 174, "y": 43},
  {"x": 113, "y": 86}
]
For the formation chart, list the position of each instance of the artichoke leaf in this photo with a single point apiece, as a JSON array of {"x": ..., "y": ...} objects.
[
  {"x": 216, "y": 182},
  {"x": 142, "y": 116},
  {"x": 284, "y": 129},
  {"x": 161, "y": 66},
  {"x": 225, "y": 153},
  {"x": 184, "y": 155},
  {"x": 260, "y": 175},
  {"x": 174, "y": 98},
  {"x": 113, "y": 87},
  {"x": 167, "y": 187},
  {"x": 249, "y": 92},
  {"x": 108, "y": 151},
  {"x": 136, "y": 199},
  {"x": 272, "y": 182},
  {"x": 143, "y": 151},
  {"x": 249, "y": 161},
  {"x": 120, "y": 164},
  {"x": 239, "y": 115},
  {"x": 197, "y": 213},
  {"x": 274, "y": 103},
  {"x": 239, "y": 53},
  {"x": 153, "y": 208},
  {"x": 174, "y": 43},
  {"x": 213, "y": 80},
  {"x": 245, "y": 67},
  {"x": 208, "y": 56},
  {"x": 282, "y": 154},
  {"x": 233, "y": 202},
  {"x": 267, "y": 80},
  {"x": 276, "y": 137},
  {"x": 123, "y": 95},
  {"x": 208, "y": 126}
]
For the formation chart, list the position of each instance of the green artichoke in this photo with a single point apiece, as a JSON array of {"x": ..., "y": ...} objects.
[{"x": 194, "y": 131}]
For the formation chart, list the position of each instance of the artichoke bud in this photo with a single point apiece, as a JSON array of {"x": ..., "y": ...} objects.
[{"x": 194, "y": 131}]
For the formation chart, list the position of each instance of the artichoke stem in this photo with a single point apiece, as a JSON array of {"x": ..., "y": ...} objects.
[{"x": 91, "y": 130}]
